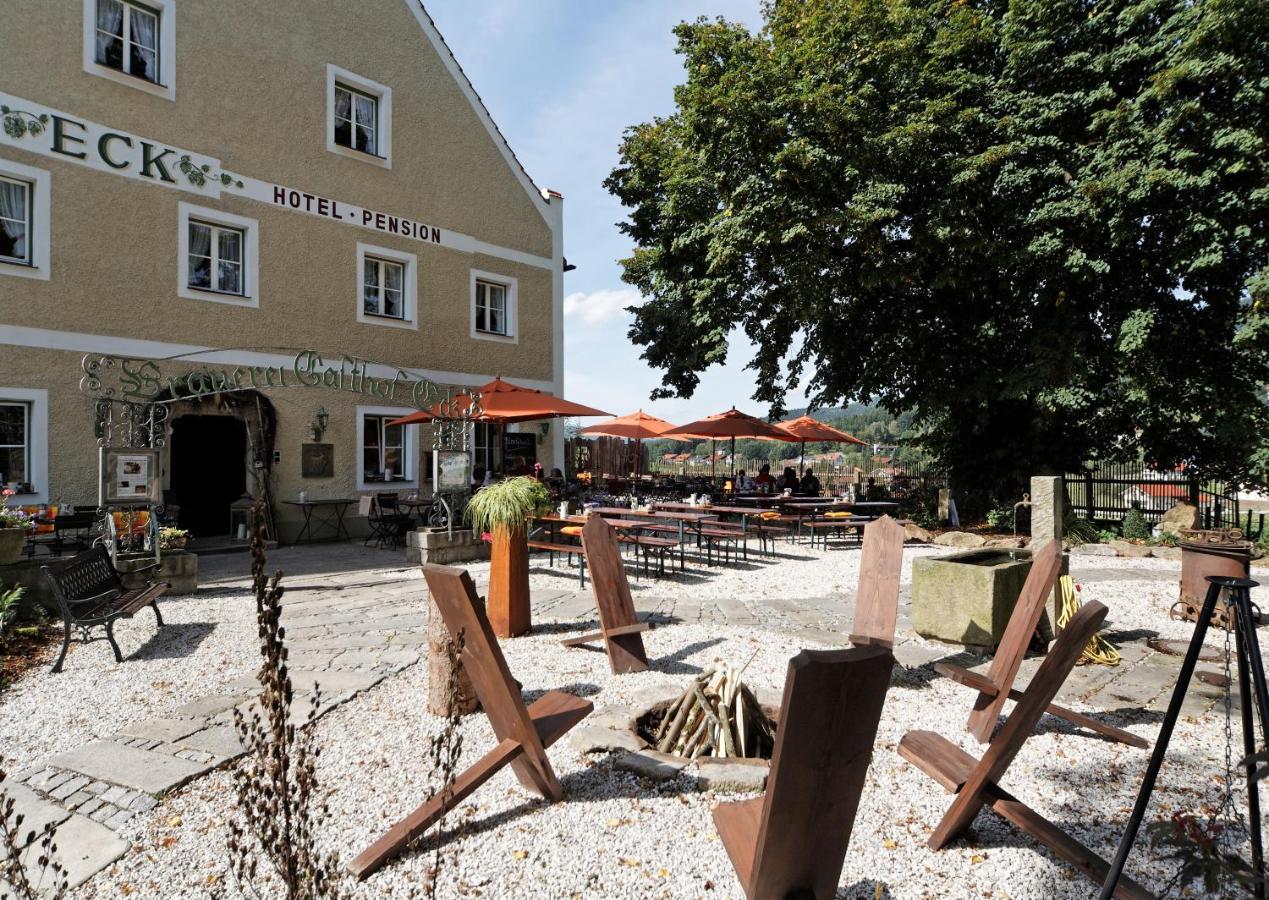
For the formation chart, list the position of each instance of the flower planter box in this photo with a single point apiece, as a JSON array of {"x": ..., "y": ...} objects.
[
  {"x": 967, "y": 598},
  {"x": 179, "y": 568}
]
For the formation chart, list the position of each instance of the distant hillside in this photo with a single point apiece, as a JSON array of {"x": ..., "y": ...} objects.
[{"x": 830, "y": 413}]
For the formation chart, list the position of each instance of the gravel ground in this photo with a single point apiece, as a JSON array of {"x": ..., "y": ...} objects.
[
  {"x": 617, "y": 837},
  {"x": 210, "y": 637}
]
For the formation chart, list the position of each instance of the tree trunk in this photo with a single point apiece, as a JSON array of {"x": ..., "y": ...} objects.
[
  {"x": 509, "y": 614},
  {"x": 439, "y": 669}
]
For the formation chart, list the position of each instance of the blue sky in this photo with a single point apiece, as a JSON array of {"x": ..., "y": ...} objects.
[{"x": 563, "y": 78}]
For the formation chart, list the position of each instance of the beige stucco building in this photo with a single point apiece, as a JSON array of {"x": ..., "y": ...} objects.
[{"x": 258, "y": 179}]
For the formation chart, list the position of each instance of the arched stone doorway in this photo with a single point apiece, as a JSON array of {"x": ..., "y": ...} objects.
[{"x": 219, "y": 447}]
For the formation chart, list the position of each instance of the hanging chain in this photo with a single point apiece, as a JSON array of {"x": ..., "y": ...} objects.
[{"x": 1228, "y": 812}]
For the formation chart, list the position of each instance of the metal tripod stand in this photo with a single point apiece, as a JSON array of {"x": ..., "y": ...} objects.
[{"x": 1252, "y": 687}]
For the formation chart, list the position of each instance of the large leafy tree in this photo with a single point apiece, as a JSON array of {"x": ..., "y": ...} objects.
[{"x": 1040, "y": 224}]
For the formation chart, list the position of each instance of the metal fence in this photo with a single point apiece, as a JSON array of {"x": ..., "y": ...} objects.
[{"x": 1105, "y": 493}]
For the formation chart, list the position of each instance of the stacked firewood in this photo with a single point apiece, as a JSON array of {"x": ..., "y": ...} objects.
[{"x": 716, "y": 716}]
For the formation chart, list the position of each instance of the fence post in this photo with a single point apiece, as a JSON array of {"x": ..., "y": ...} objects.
[
  {"x": 1090, "y": 506},
  {"x": 1194, "y": 491}
]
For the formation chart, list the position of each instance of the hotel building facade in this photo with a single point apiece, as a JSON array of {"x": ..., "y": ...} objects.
[{"x": 241, "y": 188}]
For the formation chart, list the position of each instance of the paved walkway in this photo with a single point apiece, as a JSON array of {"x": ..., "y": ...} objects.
[{"x": 353, "y": 616}]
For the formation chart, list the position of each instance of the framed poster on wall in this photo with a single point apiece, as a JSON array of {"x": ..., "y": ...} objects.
[
  {"x": 451, "y": 471},
  {"x": 129, "y": 477}
]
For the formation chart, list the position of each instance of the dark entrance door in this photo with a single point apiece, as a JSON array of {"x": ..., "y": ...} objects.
[{"x": 209, "y": 470}]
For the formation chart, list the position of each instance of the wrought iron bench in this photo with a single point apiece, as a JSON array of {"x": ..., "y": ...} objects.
[{"x": 90, "y": 593}]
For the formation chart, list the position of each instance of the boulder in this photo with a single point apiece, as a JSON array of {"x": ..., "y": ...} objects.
[
  {"x": 1131, "y": 550},
  {"x": 1007, "y": 543},
  {"x": 597, "y": 738},
  {"x": 913, "y": 532},
  {"x": 1183, "y": 515},
  {"x": 960, "y": 539},
  {"x": 651, "y": 764},
  {"x": 1173, "y": 553},
  {"x": 1093, "y": 550},
  {"x": 732, "y": 773}
]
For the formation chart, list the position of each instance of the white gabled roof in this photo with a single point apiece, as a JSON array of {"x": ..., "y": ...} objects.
[{"x": 540, "y": 196}]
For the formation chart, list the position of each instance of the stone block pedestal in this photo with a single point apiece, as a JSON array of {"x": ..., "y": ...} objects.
[{"x": 428, "y": 545}]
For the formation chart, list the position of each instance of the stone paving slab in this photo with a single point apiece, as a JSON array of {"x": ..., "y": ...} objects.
[
  {"x": 143, "y": 770},
  {"x": 212, "y": 705},
  {"x": 162, "y": 730},
  {"x": 84, "y": 847},
  {"x": 219, "y": 740},
  {"x": 36, "y": 812}
]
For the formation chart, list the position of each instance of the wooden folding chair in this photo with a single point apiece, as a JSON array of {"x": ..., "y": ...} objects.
[
  {"x": 976, "y": 782},
  {"x": 620, "y": 628},
  {"x": 523, "y": 734},
  {"x": 792, "y": 841},
  {"x": 877, "y": 600},
  {"x": 997, "y": 686}
]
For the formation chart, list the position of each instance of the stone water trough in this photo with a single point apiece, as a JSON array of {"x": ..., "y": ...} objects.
[{"x": 967, "y": 598}]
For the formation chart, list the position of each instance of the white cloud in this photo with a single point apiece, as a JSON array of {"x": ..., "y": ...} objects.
[{"x": 600, "y": 307}]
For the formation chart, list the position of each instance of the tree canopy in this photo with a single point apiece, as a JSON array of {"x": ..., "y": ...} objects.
[{"x": 1039, "y": 224}]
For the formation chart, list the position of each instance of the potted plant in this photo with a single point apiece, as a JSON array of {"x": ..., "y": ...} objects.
[
  {"x": 172, "y": 538},
  {"x": 504, "y": 510},
  {"x": 14, "y": 525}
]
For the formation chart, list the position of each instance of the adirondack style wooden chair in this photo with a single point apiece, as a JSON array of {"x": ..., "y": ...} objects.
[
  {"x": 997, "y": 686},
  {"x": 619, "y": 627},
  {"x": 523, "y": 733},
  {"x": 877, "y": 600},
  {"x": 792, "y": 841},
  {"x": 975, "y": 782}
]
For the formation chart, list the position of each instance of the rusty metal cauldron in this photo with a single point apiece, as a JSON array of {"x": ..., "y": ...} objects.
[{"x": 1204, "y": 552}]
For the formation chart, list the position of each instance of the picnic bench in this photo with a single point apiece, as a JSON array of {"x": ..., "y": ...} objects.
[
  {"x": 792, "y": 841},
  {"x": 90, "y": 594},
  {"x": 976, "y": 782},
  {"x": 523, "y": 733},
  {"x": 619, "y": 627}
]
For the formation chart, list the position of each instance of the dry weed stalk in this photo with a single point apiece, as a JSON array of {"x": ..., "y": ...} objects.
[
  {"x": 14, "y": 876},
  {"x": 276, "y": 787}
]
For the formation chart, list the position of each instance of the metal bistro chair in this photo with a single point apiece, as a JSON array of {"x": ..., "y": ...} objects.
[{"x": 388, "y": 524}]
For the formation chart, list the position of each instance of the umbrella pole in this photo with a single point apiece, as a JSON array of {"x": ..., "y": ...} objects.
[
  {"x": 713, "y": 461},
  {"x": 802, "y": 456},
  {"x": 733, "y": 461}
]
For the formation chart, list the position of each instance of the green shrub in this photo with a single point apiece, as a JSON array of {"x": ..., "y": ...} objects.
[
  {"x": 1135, "y": 527},
  {"x": 508, "y": 504},
  {"x": 1000, "y": 518},
  {"x": 1105, "y": 536},
  {"x": 9, "y": 606},
  {"x": 1079, "y": 529}
]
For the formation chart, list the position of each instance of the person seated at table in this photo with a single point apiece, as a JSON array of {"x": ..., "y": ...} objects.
[
  {"x": 477, "y": 477},
  {"x": 764, "y": 482},
  {"x": 810, "y": 484},
  {"x": 788, "y": 480},
  {"x": 521, "y": 467},
  {"x": 489, "y": 478},
  {"x": 743, "y": 482}
]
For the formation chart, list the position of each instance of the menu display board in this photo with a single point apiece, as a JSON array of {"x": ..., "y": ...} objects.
[{"x": 130, "y": 477}]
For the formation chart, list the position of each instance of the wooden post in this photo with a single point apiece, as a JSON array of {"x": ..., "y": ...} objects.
[
  {"x": 508, "y": 604},
  {"x": 439, "y": 668}
]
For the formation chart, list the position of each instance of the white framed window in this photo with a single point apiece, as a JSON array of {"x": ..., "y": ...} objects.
[
  {"x": 24, "y": 221},
  {"x": 24, "y": 443},
  {"x": 493, "y": 307},
  {"x": 219, "y": 256},
  {"x": 132, "y": 42},
  {"x": 387, "y": 287},
  {"x": 484, "y": 446},
  {"x": 358, "y": 117},
  {"x": 389, "y": 453}
]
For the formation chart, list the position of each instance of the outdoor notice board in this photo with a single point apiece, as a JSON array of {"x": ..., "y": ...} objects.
[
  {"x": 130, "y": 476},
  {"x": 453, "y": 471}
]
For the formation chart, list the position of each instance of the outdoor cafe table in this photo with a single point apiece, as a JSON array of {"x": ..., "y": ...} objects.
[
  {"x": 552, "y": 521},
  {"x": 332, "y": 519},
  {"x": 693, "y": 519},
  {"x": 745, "y": 512}
]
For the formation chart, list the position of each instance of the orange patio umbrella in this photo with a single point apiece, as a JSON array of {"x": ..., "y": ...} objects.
[
  {"x": 502, "y": 403},
  {"x": 805, "y": 428},
  {"x": 636, "y": 426},
  {"x": 731, "y": 424}
]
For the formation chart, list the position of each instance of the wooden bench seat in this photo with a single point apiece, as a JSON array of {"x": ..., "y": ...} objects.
[
  {"x": 568, "y": 550},
  {"x": 90, "y": 593}
]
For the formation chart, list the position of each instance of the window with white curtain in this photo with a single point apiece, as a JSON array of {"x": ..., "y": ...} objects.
[
  {"x": 216, "y": 257},
  {"x": 15, "y": 221},
  {"x": 356, "y": 120},
  {"x": 127, "y": 38},
  {"x": 491, "y": 307},
  {"x": 15, "y": 442},
  {"x": 383, "y": 452},
  {"x": 383, "y": 287}
]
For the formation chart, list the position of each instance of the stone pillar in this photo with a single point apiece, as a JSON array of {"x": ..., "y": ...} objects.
[{"x": 1047, "y": 512}]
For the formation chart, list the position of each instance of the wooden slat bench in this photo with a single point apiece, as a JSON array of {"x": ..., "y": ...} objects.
[
  {"x": 90, "y": 594},
  {"x": 569, "y": 550}
]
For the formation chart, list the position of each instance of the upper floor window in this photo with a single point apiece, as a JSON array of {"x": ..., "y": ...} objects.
[
  {"x": 15, "y": 221},
  {"x": 24, "y": 220},
  {"x": 358, "y": 117},
  {"x": 128, "y": 38},
  {"x": 493, "y": 307},
  {"x": 132, "y": 42},
  {"x": 356, "y": 120},
  {"x": 215, "y": 257},
  {"x": 388, "y": 290},
  {"x": 219, "y": 256}
]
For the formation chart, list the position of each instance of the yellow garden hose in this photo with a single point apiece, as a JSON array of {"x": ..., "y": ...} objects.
[{"x": 1099, "y": 650}]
